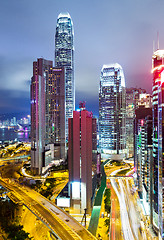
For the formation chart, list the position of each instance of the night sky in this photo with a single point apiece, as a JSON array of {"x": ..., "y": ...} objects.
[{"x": 106, "y": 31}]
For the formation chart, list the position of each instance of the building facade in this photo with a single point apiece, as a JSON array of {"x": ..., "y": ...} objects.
[
  {"x": 55, "y": 111},
  {"x": 38, "y": 114},
  {"x": 64, "y": 57},
  {"x": 158, "y": 144},
  {"x": 145, "y": 99},
  {"x": 47, "y": 114},
  {"x": 143, "y": 153},
  {"x": 130, "y": 113},
  {"x": 112, "y": 110},
  {"x": 135, "y": 97},
  {"x": 82, "y": 159}
]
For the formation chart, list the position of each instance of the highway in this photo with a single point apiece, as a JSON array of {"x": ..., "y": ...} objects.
[
  {"x": 115, "y": 227},
  {"x": 130, "y": 217},
  {"x": 116, "y": 224},
  {"x": 133, "y": 214},
  {"x": 58, "y": 221},
  {"x": 97, "y": 204},
  {"x": 17, "y": 158},
  {"x": 125, "y": 216},
  {"x": 126, "y": 228}
]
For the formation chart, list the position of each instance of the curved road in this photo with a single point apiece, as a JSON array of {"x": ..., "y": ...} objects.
[{"x": 57, "y": 220}]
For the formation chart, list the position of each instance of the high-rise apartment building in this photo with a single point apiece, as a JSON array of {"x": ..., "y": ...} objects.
[
  {"x": 158, "y": 142},
  {"x": 47, "y": 114},
  {"x": 55, "y": 111},
  {"x": 38, "y": 113},
  {"x": 64, "y": 57},
  {"x": 82, "y": 158},
  {"x": 112, "y": 110}
]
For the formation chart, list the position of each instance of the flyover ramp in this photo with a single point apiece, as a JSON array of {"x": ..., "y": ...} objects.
[{"x": 61, "y": 223}]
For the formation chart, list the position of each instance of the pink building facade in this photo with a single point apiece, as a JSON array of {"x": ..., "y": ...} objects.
[{"x": 82, "y": 154}]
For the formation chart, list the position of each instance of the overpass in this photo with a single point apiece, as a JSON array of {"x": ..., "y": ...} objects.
[
  {"x": 61, "y": 224},
  {"x": 15, "y": 158}
]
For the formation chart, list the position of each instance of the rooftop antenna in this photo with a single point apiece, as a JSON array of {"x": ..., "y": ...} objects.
[
  {"x": 153, "y": 47},
  {"x": 157, "y": 40}
]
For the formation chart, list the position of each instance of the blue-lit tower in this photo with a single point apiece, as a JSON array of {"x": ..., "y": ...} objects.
[
  {"x": 64, "y": 57},
  {"x": 112, "y": 110}
]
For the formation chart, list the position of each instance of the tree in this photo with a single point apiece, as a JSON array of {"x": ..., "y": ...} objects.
[{"x": 107, "y": 201}]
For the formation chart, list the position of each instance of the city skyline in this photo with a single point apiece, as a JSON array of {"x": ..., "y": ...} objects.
[{"x": 100, "y": 38}]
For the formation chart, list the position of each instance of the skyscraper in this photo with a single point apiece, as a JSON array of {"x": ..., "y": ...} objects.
[
  {"x": 38, "y": 113},
  {"x": 55, "y": 111},
  {"x": 64, "y": 57},
  {"x": 82, "y": 158},
  {"x": 130, "y": 112},
  {"x": 112, "y": 110},
  {"x": 143, "y": 151},
  {"x": 47, "y": 114},
  {"x": 135, "y": 97},
  {"x": 158, "y": 141}
]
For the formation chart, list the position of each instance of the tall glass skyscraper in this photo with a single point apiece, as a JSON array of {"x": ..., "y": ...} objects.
[
  {"x": 112, "y": 110},
  {"x": 64, "y": 57}
]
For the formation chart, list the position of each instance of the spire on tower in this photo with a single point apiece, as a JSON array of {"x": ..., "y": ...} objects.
[{"x": 157, "y": 40}]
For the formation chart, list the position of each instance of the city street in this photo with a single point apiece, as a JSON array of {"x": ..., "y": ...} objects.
[
  {"x": 130, "y": 217},
  {"x": 116, "y": 227}
]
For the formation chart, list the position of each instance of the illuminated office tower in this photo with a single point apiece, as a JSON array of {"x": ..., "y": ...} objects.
[
  {"x": 112, "y": 110},
  {"x": 64, "y": 57},
  {"x": 158, "y": 141},
  {"x": 82, "y": 158},
  {"x": 47, "y": 114}
]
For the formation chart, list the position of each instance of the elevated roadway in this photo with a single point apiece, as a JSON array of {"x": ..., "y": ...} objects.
[
  {"x": 17, "y": 158},
  {"x": 59, "y": 222},
  {"x": 97, "y": 204}
]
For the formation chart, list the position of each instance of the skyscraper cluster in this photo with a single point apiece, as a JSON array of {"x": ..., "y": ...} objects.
[
  {"x": 55, "y": 126},
  {"x": 52, "y": 108},
  {"x": 53, "y": 98},
  {"x": 149, "y": 147}
]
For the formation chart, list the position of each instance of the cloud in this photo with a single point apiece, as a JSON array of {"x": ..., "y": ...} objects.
[
  {"x": 111, "y": 31},
  {"x": 14, "y": 101},
  {"x": 15, "y": 74}
]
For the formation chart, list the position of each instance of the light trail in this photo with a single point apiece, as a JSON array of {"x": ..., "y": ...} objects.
[
  {"x": 132, "y": 212},
  {"x": 127, "y": 232},
  {"x": 131, "y": 217}
]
